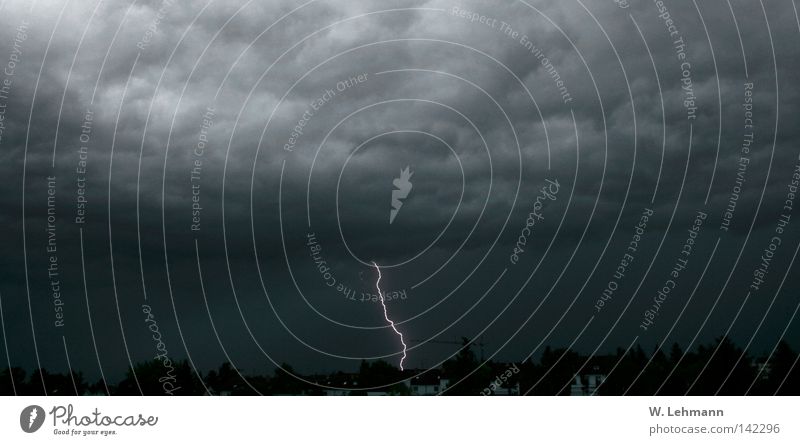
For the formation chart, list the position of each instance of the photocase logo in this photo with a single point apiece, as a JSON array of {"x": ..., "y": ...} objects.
[
  {"x": 31, "y": 418},
  {"x": 402, "y": 189},
  {"x": 622, "y": 3}
]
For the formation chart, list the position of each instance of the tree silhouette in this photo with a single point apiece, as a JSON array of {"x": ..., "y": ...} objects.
[
  {"x": 379, "y": 373},
  {"x": 781, "y": 374},
  {"x": 156, "y": 379},
  {"x": 12, "y": 381},
  {"x": 722, "y": 370},
  {"x": 468, "y": 376}
]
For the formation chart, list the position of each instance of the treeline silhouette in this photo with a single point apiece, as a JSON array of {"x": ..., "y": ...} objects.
[{"x": 720, "y": 368}]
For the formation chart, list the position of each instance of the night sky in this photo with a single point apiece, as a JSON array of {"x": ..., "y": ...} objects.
[{"x": 582, "y": 174}]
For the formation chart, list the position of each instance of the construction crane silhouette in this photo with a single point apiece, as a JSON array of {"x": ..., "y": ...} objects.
[{"x": 478, "y": 342}]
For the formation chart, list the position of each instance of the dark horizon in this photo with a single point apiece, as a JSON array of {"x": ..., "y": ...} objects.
[{"x": 721, "y": 368}]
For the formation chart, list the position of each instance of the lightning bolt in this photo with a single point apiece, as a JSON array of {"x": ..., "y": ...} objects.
[
  {"x": 386, "y": 314},
  {"x": 34, "y": 414}
]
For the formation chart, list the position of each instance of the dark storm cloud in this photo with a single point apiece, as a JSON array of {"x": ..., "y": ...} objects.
[{"x": 267, "y": 78}]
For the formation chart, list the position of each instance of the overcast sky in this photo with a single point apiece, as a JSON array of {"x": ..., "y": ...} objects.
[{"x": 199, "y": 103}]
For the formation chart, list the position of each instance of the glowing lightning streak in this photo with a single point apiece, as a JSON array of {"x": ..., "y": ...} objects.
[{"x": 386, "y": 314}]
